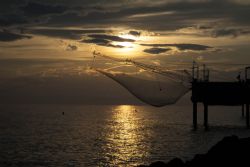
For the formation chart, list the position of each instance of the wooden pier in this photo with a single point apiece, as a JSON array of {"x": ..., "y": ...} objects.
[{"x": 219, "y": 93}]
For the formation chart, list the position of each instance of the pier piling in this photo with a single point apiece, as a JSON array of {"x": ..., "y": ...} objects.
[
  {"x": 242, "y": 110},
  {"x": 195, "y": 116},
  {"x": 206, "y": 116},
  {"x": 247, "y": 116}
]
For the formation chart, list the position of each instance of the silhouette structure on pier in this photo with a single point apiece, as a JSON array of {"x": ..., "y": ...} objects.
[{"x": 219, "y": 93}]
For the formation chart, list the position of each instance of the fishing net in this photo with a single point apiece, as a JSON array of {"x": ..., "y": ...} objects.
[{"x": 154, "y": 87}]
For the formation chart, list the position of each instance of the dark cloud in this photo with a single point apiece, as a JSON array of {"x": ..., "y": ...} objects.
[
  {"x": 182, "y": 47},
  {"x": 212, "y": 30},
  {"x": 12, "y": 19},
  {"x": 135, "y": 33},
  {"x": 6, "y": 36},
  {"x": 9, "y": 5},
  {"x": 106, "y": 40},
  {"x": 204, "y": 27},
  {"x": 29, "y": 12},
  {"x": 233, "y": 32},
  {"x": 71, "y": 47},
  {"x": 101, "y": 42},
  {"x": 97, "y": 41},
  {"x": 115, "y": 46},
  {"x": 158, "y": 17},
  {"x": 110, "y": 38},
  {"x": 194, "y": 47},
  {"x": 156, "y": 50},
  {"x": 66, "y": 33},
  {"x": 163, "y": 15},
  {"x": 39, "y": 9}
]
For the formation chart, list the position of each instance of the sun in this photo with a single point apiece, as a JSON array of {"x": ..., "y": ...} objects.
[
  {"x": 128, "y": 46},
  {"x": 125, "y": 47},
  {"x": 124, "y": 44},
  {"x": 128, "y": 36}
]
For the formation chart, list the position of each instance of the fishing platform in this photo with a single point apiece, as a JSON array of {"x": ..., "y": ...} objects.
[{"x": 219, "y": 93}]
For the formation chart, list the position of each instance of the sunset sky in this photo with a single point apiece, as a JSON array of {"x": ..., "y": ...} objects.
[{"x": 46, "y": 46}]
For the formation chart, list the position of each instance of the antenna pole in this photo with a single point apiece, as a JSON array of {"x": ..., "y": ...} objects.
[
  {"x": 193, "y": 71},
  {"x": 204, "y": 72},
  {"x": 198, "y": 71}
]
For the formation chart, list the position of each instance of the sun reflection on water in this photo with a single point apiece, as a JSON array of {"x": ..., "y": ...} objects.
[{"x": 125, "y": 139}]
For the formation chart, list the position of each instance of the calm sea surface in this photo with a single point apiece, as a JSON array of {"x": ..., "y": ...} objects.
[{"x": 122, "y": 135}]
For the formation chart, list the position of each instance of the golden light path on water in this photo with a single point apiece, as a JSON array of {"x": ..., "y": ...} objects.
[{"x": 125, "y": 138}]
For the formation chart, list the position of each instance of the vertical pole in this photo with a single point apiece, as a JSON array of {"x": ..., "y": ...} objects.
[
  {"x": 242, "y": 110},
  {"x": 208, "y": 75},
  {"x": 198, "y": 73},
  {"x": 247, "y": 115},
  {"x": 204, "y": 72},
  {"x": 245, "y": 74},
  {"x": 195, "y": 115},
  {"x": 206, "y": 116},
  {"x": 193, "y": 71}
]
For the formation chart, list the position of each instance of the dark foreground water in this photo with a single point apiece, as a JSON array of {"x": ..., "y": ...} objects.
[{"x": 124, "y": 135}]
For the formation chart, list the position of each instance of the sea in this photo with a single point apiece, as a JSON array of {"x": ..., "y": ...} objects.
[{"x": 56, "y": 135}]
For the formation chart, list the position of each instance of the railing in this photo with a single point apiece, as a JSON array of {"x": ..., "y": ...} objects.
[{"x": 196, "y": 73}]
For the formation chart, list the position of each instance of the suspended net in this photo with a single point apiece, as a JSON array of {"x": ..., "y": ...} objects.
[{"x": 151, "y": 84}]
